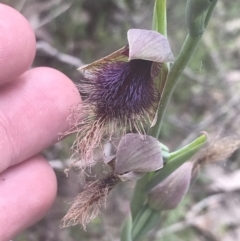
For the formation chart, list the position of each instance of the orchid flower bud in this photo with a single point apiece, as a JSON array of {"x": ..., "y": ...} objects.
[{"x": 169, "y": 193}]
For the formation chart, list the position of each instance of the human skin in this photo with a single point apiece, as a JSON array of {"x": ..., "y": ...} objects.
[{"x": 34, "y": 107}]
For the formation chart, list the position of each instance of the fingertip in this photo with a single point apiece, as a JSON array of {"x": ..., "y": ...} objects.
[
  {"x": 40, "y": 100},
  {"x": 63, "y": 90},
  {"x": 18, "y": 44},
  {"x": 56, "y": 96},
  {"x": 28, "y": 191}
]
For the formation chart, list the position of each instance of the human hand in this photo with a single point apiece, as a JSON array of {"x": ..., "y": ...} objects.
[{"x": 34, "y": 106}]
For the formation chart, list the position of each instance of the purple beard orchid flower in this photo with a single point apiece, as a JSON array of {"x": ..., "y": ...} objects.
[
  {"x": 128, "y": 164},
  {"x": 121, "y": 91}
]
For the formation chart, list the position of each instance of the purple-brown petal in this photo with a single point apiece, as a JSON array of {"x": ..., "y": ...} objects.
[{"x": 138, "y": 153}]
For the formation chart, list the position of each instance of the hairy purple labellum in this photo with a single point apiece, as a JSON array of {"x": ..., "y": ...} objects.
[{"x": 122, "y": 90}]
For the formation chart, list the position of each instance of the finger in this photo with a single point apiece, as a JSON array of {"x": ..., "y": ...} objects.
[
  {"x": 27, "y": 193},
  {"x": 18, "y": 44},
  {"x": 33, "y": 112}
]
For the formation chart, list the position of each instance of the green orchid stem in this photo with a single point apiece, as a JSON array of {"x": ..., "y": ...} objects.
[
  {"x": 198, "y": 13},
  {"x": 160, "y": 17},
  {"x": 139, "y": 195},
  {"x": 126, "y": 233},
  {"x": 182, "y": 60},
  {"x": 145, "y": 221}
]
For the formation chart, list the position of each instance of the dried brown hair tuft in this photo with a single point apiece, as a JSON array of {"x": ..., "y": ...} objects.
[
  {"x": 86, "y": 206},
  {"x": 219, "y": 150}
]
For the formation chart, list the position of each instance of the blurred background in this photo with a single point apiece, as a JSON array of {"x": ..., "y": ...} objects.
[{"x": 70, "y": 33}]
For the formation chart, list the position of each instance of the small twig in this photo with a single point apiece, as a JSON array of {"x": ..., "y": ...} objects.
[
  {"x": 219, "y": 111},
  {"x": 198, "y": 207},
  {"x": 53, "y": 14},
  {"x": 49, "y": 50},
  {"x": 20, "y": 5},
  {"x": 195, "y": 77}
]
